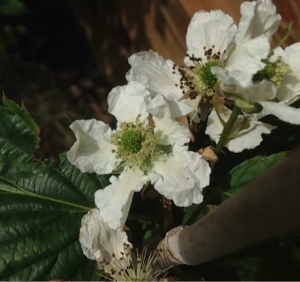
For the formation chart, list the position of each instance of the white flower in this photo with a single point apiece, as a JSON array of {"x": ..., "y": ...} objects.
[
  {"x": 288, "y": 88},
  {"x": 209, "y": 37},
  {"x": 99, "y": 242},
  {"x": 250, "y": 76},
  {"x": 258, "y": 23},
  {"x": 237, "y": 76},
  {"x": 246, "y": 133},
  {"x": 112, "y": 251},
  {"x": 139, "y": 153}
]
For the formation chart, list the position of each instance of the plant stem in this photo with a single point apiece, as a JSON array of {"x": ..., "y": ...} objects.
[{"x": 227, "y": 129}]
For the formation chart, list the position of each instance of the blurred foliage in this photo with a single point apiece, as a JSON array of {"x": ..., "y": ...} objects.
[
  {"x": 12, "y": 7},
  {"x": 48, "y": 64}
]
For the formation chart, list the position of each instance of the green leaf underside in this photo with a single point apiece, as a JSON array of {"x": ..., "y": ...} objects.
[
  {"x": 40, "y": 207},
  {"x": 250, "y": 170}
]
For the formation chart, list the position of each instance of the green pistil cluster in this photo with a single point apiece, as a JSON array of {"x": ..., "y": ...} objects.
[
  {"x": 202, "y": 78},
  {"x": 207, "y": 76},
  {"x": 132, "y": 141},
  {"x": 274, "y": 72},
  {"x": 135, "y": 143},
  {"x": 281, "y": 70},
  {"x": 266, "y": 73}
]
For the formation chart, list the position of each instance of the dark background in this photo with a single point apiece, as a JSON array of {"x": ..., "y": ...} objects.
[{"x": 62, "y": 57}]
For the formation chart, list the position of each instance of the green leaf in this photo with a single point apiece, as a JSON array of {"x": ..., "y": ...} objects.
[
  {"x": 270, "y": 265},
  {"x": 248, "y": 268},
  {"x": 12, "y": 7},
  {"x": 40, "y": 207},
  {"x": 241, "y": 175},
  {"x": 18, "y": 126}
]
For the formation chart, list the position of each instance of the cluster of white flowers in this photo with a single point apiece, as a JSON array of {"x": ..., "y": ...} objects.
[
  {"x": 237, "y": 65},
  {"x": 148, "y": 146},
  {"x": 233, "y": 70}
]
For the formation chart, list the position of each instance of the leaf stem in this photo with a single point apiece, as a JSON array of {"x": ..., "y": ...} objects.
[
  {"x": 227, "y": 129},
  {"x": 24, "y": 192}
]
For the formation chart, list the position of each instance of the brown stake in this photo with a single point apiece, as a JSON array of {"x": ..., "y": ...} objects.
[{"x": 267, "y": 207}]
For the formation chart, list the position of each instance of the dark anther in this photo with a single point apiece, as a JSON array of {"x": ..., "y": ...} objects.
[
  {"x": 209, "y": 52},
  {"x": 193, "y": 95}
]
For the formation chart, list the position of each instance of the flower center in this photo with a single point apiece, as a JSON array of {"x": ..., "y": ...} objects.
[
  {"x": 208, "y": 78},
  {"x": 274, "y": 72},
  {"x": 266, "y": 73},
  {"x": 199, "y": 77},
  {"x": 132, "y": 140},
  {"x": 135, "y": 144}
]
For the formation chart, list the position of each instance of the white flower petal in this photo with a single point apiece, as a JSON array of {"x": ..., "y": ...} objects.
[
  {"x": 181, "y": 177},
  {"x": 214, "y": 126},
  {"x": 247, "y": 139},
  {"x": 282, "y": 111},
  {"x": 289, "y": 91},
  {"x": 171, "y": 132},
  {"x": 248, "y": 54},
  {"x": 99, "y": 241},
  {"x": 261, "y": 91},
  {"x": 179, "y": 109},
  {"x": 193, "y": 103},
  {"x": 236, "y": 78},
  {"x": 250, "y": 138},
  {"x": 156, "y": 73},
  {"x": 258, "y": 17},
  {"x": 208, "y": 29},
  {"x": 114, "y": 201},
  {"x": 128, "y": 101},
  {"x": 92, "y": 152},
  {"x": 157, "y": 106}
]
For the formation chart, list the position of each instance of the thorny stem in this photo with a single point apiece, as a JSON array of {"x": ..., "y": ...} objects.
[{"x": 227, "y": 129}]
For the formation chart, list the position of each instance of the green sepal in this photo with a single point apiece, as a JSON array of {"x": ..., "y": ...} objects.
[
  {"x": 246, "y": 106},
  {"x": 287, "y": 33}
]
